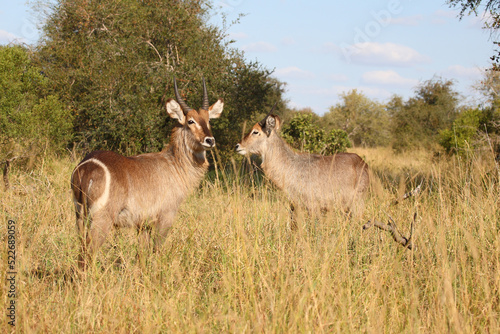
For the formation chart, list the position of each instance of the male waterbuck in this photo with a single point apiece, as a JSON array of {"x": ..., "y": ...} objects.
[
  {"x": 314, "y": 181},
  {"x": 143, "y": 191}
]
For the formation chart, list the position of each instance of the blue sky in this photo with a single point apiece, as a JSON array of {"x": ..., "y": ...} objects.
[{"x": 322, "y": 49}]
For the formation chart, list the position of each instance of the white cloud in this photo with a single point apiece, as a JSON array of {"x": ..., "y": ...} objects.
[
  {"x": 338, "y": 77},
  {"x": 392, "y": 54},
  {"x": 438, "y": 21},
  {"x": 237, "y": 35},
  {"x": 387, "y": 78},
  {"x": 446, "y": 14},
  {"x": 335, "y": 91},
  {"x": 459, "y": 71},
  {"x": 7, "y": 37},
  {"x": 481, "y": 21},
  {"x": 407, "y": 20},
  {"x": 376, "y": 93},
  {"x": 330, "y": 47},
  {"x": 287, "y": 41},
  {"x": 294, "y": 72},
  {"x": 441, "y": 17},
  {"x": 259, "y": 47},
  {"x": 295, "y": 105}
]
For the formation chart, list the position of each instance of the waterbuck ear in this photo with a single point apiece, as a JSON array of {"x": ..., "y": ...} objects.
[
  {"x": 175, "y": 110},
  {"x": 216, "y": 109},
  {"x": 278, "y": 122},
  {"x": 272, "y": 123}
]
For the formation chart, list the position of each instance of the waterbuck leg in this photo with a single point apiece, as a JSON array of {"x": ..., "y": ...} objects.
[
  {"x": 83, "y": 254},
  {"x": 144, "y": 246},
  {"x": 163, "y": 226},
  {"x": 94, "y": 235},
  {"x": 144, "y": 237},
  {"x": 82, "y": 223}
]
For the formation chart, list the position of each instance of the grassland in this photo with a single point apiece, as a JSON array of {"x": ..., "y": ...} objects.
[{"x": 232, "y": 264}]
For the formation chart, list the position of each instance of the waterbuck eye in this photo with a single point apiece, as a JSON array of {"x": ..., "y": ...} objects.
[
  {"x": 191, "y": 121},
  {"x": 255, "y": 132}
]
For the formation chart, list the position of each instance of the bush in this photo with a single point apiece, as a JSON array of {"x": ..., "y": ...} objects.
[
  {"x": 302, "y": 134},
  {"x": 133, "y": 49},
  {"x": 419, "y": 121},
  {"x": 472, "y": 129},
  {"x": 31, "y": 119},
  {"x": 461, "y": 135},
  {"x": 365, "y": 121}
]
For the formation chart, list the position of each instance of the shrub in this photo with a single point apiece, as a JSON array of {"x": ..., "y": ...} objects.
[
  {"x": 31, "y": 119},
  {"x": 302, "y": 134},
  {"x": 462, "y": 133}
]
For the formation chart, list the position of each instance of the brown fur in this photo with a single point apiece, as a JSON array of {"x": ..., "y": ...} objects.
[
  {"x": 315, "y": 181},
  {"x": 145, "y": 191}
]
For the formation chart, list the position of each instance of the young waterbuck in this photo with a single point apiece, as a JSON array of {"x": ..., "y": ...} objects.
[
  {"x": 143, "y": 191},
  {"x": 313, "y": 181}
]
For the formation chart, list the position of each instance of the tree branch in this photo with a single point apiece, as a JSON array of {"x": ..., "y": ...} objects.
[
  {"x": 393, "y": 229},
  {"x": 159, "y": 56},
  {"x": 409, "y": 194},
  {"x": 391, "y": 224}
]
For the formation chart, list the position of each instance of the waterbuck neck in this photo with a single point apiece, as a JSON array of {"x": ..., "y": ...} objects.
[
  {"x": 191, "y": 165},
  {"x": 277, "y": 158}
]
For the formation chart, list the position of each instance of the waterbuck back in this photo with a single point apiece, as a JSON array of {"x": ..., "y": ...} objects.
[{"x": 143, "y": 191}]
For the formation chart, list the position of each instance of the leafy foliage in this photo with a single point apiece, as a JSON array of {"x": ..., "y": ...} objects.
[
  {"x": 477, "y": 127},
  {"x": 301, "y": 133},
  {"x": 31, "y": 119},
  {"x": 492, "y": 7},
  {"x": 365, "y": 121},
  {"x": 418, "y": 121},
  {"x": 112, "y": 61},
  {"x": 461, "y": 135}
]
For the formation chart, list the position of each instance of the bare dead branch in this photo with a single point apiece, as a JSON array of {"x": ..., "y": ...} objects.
[
  {"x": 391, "y": 224},
  {"x": 393, "y": 229},
  {"x": 154, "y": 48},
  {"x": 412, "y": 193}
]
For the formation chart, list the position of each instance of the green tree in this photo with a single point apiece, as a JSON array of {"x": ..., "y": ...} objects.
[
  {"x": 463, "y": 132},
  {"x": 365, "y": 121},
  {"x": 289, "y": 113},
  {"x": 113, "y": 62},
  {"x": 303, "y": 134},
  {"x": 418, "y": 121},
  {"x": 31, "y": 119},
  {"x": 480, "y": 126},
  {"x": 474, "y": 7},
  {"x": 489, "y": 87}
]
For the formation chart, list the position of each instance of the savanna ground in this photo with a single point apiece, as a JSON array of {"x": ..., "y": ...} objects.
[{"x": 231, "y": 263}]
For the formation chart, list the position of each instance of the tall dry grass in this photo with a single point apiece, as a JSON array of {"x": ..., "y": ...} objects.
[{"x": 232, "y": 264}]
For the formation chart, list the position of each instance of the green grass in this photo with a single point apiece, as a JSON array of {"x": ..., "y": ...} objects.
[{"x": 232, "y": 264}]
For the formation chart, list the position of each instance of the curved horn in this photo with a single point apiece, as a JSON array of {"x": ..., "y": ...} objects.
[
  {"x": 185, "y": 108},
  {"x": 205, "y": 96},
  {"x": 263, "y": 122}
]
